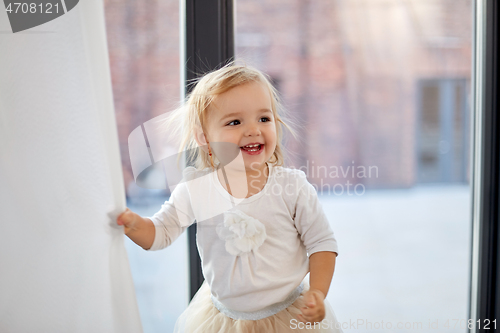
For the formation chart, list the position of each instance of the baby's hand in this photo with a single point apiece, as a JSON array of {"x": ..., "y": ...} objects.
[
  {"x": 128, "y": 219},
  {"x": 314, "y": 310}
]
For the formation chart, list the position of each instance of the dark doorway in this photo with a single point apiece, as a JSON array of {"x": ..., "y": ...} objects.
[{"x": 442, "y": 131}]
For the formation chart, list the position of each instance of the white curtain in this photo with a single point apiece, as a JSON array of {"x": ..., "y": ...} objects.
[{"x": 63, "y": 264}]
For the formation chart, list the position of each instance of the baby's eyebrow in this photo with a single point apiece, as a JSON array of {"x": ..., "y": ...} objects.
[
  {"x": 234, "y": 114},
  {"x": 229, "y": 115}
]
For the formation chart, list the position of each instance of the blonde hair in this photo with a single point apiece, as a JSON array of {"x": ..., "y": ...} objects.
[{"x": 193, "y": 114}]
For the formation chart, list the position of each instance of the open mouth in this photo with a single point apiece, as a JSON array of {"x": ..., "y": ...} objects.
[{"x": 252, "y": 148}]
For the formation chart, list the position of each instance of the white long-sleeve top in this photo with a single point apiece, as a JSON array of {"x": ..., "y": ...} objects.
[{"x": 277, "y": 262}]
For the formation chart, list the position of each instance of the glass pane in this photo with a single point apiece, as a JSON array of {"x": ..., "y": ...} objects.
[
  {"x": 143, "y": 43},
  {"x": 381, "y": 91}
]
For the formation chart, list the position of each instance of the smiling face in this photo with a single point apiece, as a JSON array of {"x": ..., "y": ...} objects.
[{"x": 243, "y": 116}]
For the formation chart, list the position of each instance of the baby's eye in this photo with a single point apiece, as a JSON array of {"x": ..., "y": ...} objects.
[
  {"x": 234, "y": 122},
  {"x": 265, "y": 119}
]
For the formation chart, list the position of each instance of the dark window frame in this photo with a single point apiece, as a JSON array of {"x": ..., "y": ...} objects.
[
  {"x": 208, "y": 44},
  {"x": 485, "y": 273}
]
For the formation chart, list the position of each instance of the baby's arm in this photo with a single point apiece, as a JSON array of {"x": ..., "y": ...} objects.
[
  {"x": 139, "y": 229},
  {"x": 319, "y": 240},
  {"x": 321, "y": 266}
]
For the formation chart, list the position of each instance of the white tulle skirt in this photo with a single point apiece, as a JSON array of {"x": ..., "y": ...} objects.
[{"x": 201, "y": 316}]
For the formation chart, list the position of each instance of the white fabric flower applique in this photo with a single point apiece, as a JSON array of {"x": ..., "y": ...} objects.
[{"x": 241, "y": 232}]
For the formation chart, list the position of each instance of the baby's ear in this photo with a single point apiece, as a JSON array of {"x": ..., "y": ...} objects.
[{"x": 200, "y": 138}]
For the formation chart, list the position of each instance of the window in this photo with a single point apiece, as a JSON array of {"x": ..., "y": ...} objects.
[{"x": 442, "y": 131}]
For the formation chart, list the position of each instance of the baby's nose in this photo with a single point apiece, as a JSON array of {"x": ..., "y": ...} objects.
[{"x": 252, "y": 130}]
